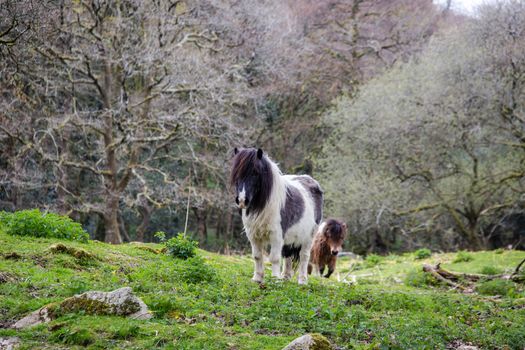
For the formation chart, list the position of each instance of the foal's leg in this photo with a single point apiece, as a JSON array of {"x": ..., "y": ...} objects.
[
  {"x": 276, "y": 249},
  {"x": 257, "y": 252},
  {"x": 321, "y": 269},
  {"x": 331, "y": 266}
]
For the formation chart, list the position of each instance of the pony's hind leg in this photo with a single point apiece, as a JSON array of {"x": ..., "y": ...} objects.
[
  {"x": 257, "y": 252},
  {"x": 288, "y": 268}
]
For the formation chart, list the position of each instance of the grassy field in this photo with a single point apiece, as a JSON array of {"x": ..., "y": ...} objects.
[{"x": 209, "y": 302}]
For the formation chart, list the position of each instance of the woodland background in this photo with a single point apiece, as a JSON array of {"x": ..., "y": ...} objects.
[{"x": 411, "y": 116}]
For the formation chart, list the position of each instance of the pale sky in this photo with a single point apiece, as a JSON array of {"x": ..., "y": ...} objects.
[{"x": 465, "y": 6}]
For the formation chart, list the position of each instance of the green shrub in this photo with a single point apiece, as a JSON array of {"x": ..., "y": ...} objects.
[
  {"x": 418, "y": 278},
  {"x": 373, "y": 260},
  {"x": 463, "y": 256},
  {"x": 422, "y": 253},
  {"x": 197, "y": 271},
  {"x": 496, "y": 287},
  {"x": 490, "y": 270},
  {"x": 161, "y": 236},
  {"x": 41, "y": 224},
  {"x": 181, "y": 247},
  {"x": 161, "y": 304}
]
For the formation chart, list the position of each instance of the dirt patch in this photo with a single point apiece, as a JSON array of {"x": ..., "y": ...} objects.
[
  {"x": 12, "y": 256},
  {"x": 39, "y": 260},
  {"x": 6, "y": 277},
  {"x": 461, "y": 345}
]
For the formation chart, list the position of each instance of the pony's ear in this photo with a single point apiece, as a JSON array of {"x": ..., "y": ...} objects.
[
  {"x": 235, "y": 150},
  {"x": 259, "y": 153},
  {"x": 344, "y": 226}
]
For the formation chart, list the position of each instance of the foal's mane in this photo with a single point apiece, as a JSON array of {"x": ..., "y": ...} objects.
[
  {"x": 336, "y": 228},
  {"x": 246, "y": 163}
]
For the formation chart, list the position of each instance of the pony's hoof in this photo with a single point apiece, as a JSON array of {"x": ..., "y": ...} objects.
[
  {"x": 257, "y": 279},
  {"x": 302, "y": 281},
  {"x": 287, "y": 277}
]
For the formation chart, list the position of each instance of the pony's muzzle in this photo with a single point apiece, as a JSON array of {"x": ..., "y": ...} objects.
[
  {"x": 335, "y": 252},
  {"x": 242, "y": 203}
]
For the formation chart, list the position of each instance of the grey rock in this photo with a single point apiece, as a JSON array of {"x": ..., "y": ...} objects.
[
  {"x": 309, "y": 342},
  {"x": 37, "y": 317},
  {"x": 9, "y": 343}
]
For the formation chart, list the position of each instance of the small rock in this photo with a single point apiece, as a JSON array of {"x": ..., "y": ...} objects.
[
  {"x": 9, "y": 343},
  {"x": 313, "y": 341},
  {"x": 37, "y": 317},
  {"x": 6, "y": 277},
  {"x": 460, "y": 345},
  {"x": 121, "y": 302}
]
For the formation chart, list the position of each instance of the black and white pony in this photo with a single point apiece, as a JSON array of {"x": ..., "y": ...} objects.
[{"x": 281, "y": 210}]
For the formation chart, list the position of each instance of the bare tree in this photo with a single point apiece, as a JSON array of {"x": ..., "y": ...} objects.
[
  {"x": 433, "y": 146},
  {"x": 129, "y": 94}
]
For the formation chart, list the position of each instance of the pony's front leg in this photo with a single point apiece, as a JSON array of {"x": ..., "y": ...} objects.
[
  {"x": 257, "y": 252},
  {"x": 275, "y": 255},
  {"x": 304, "y": 259}
]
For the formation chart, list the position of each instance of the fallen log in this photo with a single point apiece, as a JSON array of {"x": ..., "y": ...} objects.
[
  {"x": 458, "y": 280},
  {"x": 438, "y": 273},
  {"x": 516, "y": 272}
]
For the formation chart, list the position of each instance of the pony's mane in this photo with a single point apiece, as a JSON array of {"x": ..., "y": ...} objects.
[{"x": 246, "y": 163}]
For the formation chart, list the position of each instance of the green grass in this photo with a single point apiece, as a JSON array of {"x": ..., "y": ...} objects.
[{"x": 209, "y": 302}]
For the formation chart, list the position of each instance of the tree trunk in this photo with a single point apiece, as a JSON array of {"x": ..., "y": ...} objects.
[
  {"x": 219, "y": 228},
  {"x": 123, "y": 230},
  {"x": 145, "y": 212},
  {"x": 202, "y": 230},
  {"x": 229, "y": 225},
  {"x": 111, "y": 221},
  {"x": 474, "y": 234}
]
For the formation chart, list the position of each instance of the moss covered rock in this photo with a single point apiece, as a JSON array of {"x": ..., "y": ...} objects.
[
  {"x": 120, "y": 302},
  {"x": 74, "y": 252},
  {"x": 313, "y": 341},
  {"x": 9, "y": 343}
]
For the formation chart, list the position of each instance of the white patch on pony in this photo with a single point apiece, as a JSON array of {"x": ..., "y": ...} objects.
[
  {"x": 242, "y": 198},
  {"x": 321, "y": 227}
]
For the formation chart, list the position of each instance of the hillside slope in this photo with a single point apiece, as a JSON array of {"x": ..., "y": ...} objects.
[{"x": 210, "y": 303}]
